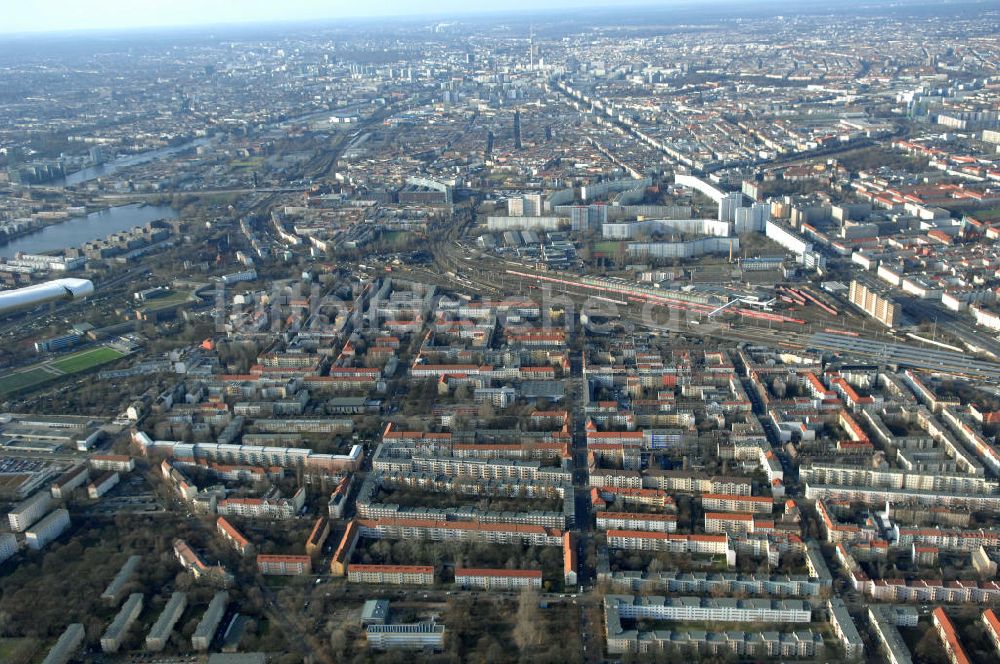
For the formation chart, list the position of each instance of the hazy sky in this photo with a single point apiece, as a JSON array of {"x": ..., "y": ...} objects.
[{"x": 19, "y": 16}]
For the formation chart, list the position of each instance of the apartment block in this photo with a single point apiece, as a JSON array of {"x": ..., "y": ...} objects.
[
  {"x": 417, "y": 636},
  {"x": 688, "y": 609},
  {"x": 496, "y": 533},
  {"x": 663, "y": 523},
  {"x": 949, "y": 637},
  {"x": 102, "y": 484},
  {"x": 338, "y": 564},
  {"x": 193, "y": 563},
  {"x": 113, "y": 593},
  {"x": 569, "y": 559},
  {"x": 118, "y": 629},
  {"x": 28, "y": 511},
  {"x": 636, "y": 540},
  {"x": 733, "y": 524},
  {"x": 66, "y": 483},
  {"x": 8, "y": 546},
  {"x": 721, "y": 502},
  {"x": 231, "y": 534},
  {"x": 891, "y": 478},
  {"x": 844, "y": 628},
  {"x": 694, "y": 482},
  {"x": 880, "y": 307},
  {"x": 47, "y": 529},
  {"x": 284, "y": 565},
  {"x": 318, "y": 535},
  {"x": 992, "y": 625},
  {"x": 416, "y": 575},
  {"x": 160, "y": 632},
  {"x": 726, "y": 583},
  {"x": 115, "y": 462},
  {"x": 263, "y": 508},
  {"x": 205, "y": 631},
  {"x": 67, "y": 646},
  {"x": 883, "y": 621},
  {"x": 498, "y": 579}
]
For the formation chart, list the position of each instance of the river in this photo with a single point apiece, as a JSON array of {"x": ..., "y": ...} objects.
[
  {"x": 95, "y": 226},
  {"x": 104, "y": 170}
]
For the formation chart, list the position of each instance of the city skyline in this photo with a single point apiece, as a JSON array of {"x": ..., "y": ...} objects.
[{"x": 632, "y": 332}]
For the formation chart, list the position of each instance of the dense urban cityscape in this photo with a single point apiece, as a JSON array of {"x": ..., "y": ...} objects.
[{"x": 600, "y": 335}]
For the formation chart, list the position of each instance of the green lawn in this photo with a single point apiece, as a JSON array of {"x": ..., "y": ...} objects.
[
  {"x": 167, "y": 301},
  {"x": 71, "y": 364},
  {"x": 17, "y": 650},
  {"x": 606, "y": 247},
  {"x": 252, "y": 162},
  {"x": 216, "y": 198},
  {"x": 986, "y": 215},
  {"x": 87, "y": 359},
  {"x": 23, "y": 380}
]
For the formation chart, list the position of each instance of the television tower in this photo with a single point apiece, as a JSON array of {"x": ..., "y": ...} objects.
[{"x": 531, "y": 47}]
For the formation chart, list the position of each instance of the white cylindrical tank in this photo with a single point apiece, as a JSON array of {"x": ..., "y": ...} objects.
[{"x": 32, "y": 296}]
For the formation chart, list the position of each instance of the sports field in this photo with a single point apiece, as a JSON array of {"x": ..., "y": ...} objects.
[
  {"x": 606, "y": 247},
  {"x": 172, "y": 300},
  {"x": 48, "y": 371},
  {"x": 87, "y": 359},
  {"x": 25, "y": 379}
]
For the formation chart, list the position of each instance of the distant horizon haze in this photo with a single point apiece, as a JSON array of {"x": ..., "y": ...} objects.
[
  {"x": 43, "y": 16},
  {"x": 59, "y": 16}
]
